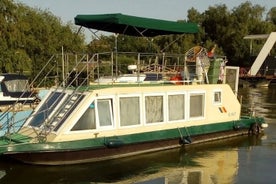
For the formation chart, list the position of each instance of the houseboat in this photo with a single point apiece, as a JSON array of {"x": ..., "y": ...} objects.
[{"x": 109, "y": 119}]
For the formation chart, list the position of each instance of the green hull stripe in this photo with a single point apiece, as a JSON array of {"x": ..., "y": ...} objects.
[
  {"x": 14, "y": 138},
  {"x": 20, "y": 143}
]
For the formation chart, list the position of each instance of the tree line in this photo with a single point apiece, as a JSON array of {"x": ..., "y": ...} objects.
[{"x": 30, "y": 36}]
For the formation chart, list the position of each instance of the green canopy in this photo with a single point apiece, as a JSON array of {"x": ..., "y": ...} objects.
[{"x": 134, "y": 26}]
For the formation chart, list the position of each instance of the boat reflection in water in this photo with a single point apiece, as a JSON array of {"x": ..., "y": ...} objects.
[
  {"x": 214, "y": 162},
  {"x": 2, "y": 174}
]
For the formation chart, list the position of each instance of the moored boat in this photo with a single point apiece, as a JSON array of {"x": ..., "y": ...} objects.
[
  {"x": 127, "y": 117},
  {"x": 16, "y": 101},
  {"x": 15, "y": 89}
]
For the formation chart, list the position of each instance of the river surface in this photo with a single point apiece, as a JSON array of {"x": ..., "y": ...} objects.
[{"x": 241, "y": 160}]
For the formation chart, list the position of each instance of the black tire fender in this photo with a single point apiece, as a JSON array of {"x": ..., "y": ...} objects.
[{"x": 254, "y": 129}]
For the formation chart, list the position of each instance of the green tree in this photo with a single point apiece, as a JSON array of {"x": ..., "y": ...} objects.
[
  {"x": 248, "y": 20},
  {"x": 8, "y": 34},
  {"x": 228, "y": 28},
  {"x": 271, "y": 15},
  {"x": 29, "y": 37}
]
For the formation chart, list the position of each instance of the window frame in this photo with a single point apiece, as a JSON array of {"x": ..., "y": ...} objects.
[
  {"x": 214, "y": 97},
  {"x": 111, "y": 113},
  {"x": 163, "y": 95},
  {"x": 185, "y": 106},
  {"x": 140, "y": 110},
  {"x": 85, "y": 130},
  {"x": 195, "y": 93}
]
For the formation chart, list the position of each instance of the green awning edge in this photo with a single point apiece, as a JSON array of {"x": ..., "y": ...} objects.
[{"x": 134, "y": 26}]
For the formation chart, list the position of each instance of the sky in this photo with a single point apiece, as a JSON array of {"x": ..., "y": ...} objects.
[{"x": 161, "y": 9}]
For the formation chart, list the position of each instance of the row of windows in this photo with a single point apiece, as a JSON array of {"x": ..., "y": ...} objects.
[
  {"x": 130, "y": 108},
  {"x": 101, "y": 112}
]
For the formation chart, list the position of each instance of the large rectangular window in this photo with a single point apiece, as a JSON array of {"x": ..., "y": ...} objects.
[
  {"x": 176, "y": 105},
  {"x": 105, "y": 112},
  {"x": 197, "y": 105},
  {"x": 154, "y": 109},
  {"x": 129, "y": 111}
]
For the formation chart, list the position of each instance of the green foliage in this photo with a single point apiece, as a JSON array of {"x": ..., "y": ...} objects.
[
  {"x": 271, "y": 15},
  {"x": 124, "y": 62},
  {"x": 103, "y": 44},
  {"x": 227, "y": 29},
  {"x": 29, "y": 37}
]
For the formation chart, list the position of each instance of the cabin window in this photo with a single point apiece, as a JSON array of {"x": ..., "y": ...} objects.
[
  {"x": 87, "y": 121},
  {"x": 129, "y": 111},
  {"x": 46, "y": 109},
  {"x": 217, "y": 97},
  {"x": 196, "y": 105},
  {"x": 17, "y": 85},
  {"x": 176, "y": 105},
  {"x": 154, "y": 109},
  {"x": 105, "y": 112}
]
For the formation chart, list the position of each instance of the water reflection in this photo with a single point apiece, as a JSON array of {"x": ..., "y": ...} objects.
[
  {"x": 2, "y": 174},
  {"x": 263, "y": 100},
  {"x": 257, "y": 161},
  {"x": 246, "y": 159}
]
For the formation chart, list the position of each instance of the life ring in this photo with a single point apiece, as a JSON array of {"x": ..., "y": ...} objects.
[{"x": 254, "y": 129}]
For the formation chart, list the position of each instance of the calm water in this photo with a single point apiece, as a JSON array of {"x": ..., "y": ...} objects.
[{"x": 239, "y": 160}]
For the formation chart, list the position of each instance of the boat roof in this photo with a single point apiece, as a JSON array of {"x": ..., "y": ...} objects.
[
  {"x": 12, "y": 76},
  {"x": 133, "y": 25}
]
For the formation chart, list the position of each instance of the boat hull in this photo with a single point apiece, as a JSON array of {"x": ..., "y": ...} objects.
[
  {"x": 92, "y": 150},
  {"x": 65, "y": 157}
]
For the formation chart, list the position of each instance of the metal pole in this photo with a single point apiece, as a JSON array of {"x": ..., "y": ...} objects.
[
  {"x": 116, "y": 54},
  {"x": 63, "y": 72}
]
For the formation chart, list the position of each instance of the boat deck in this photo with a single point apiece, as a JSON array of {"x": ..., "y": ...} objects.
[{"x": 14, "y": 138}]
